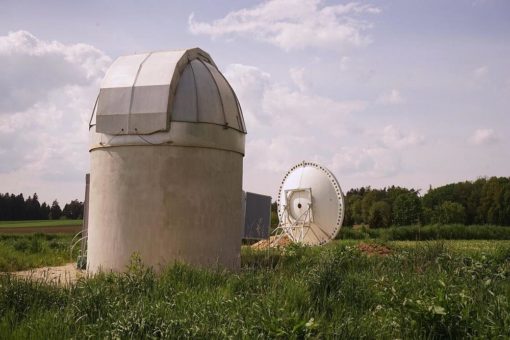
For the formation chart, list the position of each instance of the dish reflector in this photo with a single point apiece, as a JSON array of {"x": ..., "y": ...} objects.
[{"x": 310, "y": 204}]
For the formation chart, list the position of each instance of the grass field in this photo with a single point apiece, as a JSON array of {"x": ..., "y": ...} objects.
[
  {"x": 437, "y": 289},
  {"x": 20, "y": 252},
  {"x": 429, "y": 232},
  {"x": 473, "y": 248},
  {"x": 39, "y": 223}
]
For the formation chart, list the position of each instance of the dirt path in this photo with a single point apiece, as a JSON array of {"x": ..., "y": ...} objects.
[
  {"x": 62, "y": 275},
  {"x": 71, "y": 229}
]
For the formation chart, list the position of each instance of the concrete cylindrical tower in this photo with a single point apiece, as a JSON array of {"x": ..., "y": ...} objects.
[{"x": 167, "y": 146}]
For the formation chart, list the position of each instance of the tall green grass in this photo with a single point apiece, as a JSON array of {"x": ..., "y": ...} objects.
[
  {"x": 20, "y": 252},
  {"x": 426, "y": 291},
  {"x": 430, "y": 232}
]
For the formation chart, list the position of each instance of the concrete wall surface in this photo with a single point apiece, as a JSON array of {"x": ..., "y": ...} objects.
[{"x": 166, "y": 203}]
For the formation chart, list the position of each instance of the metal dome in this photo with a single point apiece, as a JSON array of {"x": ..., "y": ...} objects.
[
  {"x": 159, "y": 97},
  {"x": 204, "y": 96}
]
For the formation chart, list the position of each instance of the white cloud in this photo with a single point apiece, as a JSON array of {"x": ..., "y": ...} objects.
[
  {"x": 48, "y": 94},
  {"x": 309, "y": 113},
  {"x": 250, "y": 85},
  {"x": 390, "y": 98},
  {"x": 265, "y": 102},
  {"x": 372, "y": 162},
  {"x": 376, "y": 161},
  {"x": 277, "y": 154},
  {"x": 32, "y": 68},
  {"x": 481, "y": 71},
  {"x": 292, "y": 25},
  {"x": 394, "y": 138},
  {"x": 298, "y": 77},
  {"x": 484, "y": 137},
  {"x": 344, "y": 63},
  {"x": 291, "y": 126}
]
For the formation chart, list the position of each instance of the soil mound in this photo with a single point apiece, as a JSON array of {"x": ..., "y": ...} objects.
[
  {"x": 273, "y": 241},
  {"x": 374, "y": 249}
]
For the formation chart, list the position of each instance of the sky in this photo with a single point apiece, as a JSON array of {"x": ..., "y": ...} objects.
[{"x": 409, "y": 93}]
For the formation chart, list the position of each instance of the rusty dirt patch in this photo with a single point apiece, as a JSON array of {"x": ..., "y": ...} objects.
[
  {"x": 374, "y": 249},
  {"x": 273, "y": 241}
]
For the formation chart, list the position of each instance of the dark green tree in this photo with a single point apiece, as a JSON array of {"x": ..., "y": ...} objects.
[
  {"x": 73, "y": 210},
  {"x": 406, "y": 209},
  {"x": 32, "y": 208},
  {"x": 353, "y": 211},
  {"x": 274, "y": 216},
  {"x": 44, "y": 212},
  {"x": 380, "y": 215},
  {"x": 369, "y": 199},
  {"x": 449, "y": 212},
  {"x": 55, "y": 211}
]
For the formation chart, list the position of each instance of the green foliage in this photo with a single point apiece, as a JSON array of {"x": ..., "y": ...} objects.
[
  {"x": 55, "y": 211},
  {"x": 73, "y": 210},
  {"x": 16, "y": 208},
  {"x": 369, "y": 199},
  {"x": 380, "y": 215},
  {"x": 448, "y": 213},
  {"x": 484, "y": 201},
  {"x": 274, "y": 216},
  {"x": 431, "y": 290},
  {"x": 359, "y": 203},
  {"x": 353, "y": 209},
  {"x": 429, "y": 232},
  {"x": 21, "y": 252},
  {"x": 406, "y": 209}
]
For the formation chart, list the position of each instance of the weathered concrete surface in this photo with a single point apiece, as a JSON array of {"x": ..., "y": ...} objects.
[{"x": 166, "y": 203}]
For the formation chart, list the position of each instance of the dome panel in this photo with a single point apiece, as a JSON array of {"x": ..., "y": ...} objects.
[
  {"x": 158, "y": 68},
  {"x": 123, "y": 71},
  {"x": 228, "y": 100},
  {"x": 112, "y": 106},
  {"x": 185, "y": 101},
  {"x": 210, "y": 108},
  {"x": 149, "y": 109}
]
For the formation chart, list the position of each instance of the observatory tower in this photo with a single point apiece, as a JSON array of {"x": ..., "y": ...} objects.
[{"x": 167, "y": 140}]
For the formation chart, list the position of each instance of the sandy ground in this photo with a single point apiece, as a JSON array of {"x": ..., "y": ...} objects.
[
  {"x": 45, "y": 230},
  {"x": 62, "y": 275},
  {"x": 273, "y": 241}
]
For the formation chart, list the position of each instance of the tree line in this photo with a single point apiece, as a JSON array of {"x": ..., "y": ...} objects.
[
  {"x": 484, "y": 201},
  {"x": 16, "y": 208}
]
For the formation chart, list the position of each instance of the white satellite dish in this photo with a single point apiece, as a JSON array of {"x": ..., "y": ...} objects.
[{"x": 310, "y": 205}]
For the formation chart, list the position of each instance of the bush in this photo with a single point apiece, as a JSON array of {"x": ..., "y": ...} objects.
[
  {"x": 406, "y": 209},
  {"x": 380, "y": 215},
  {"x": 21, "y": 252},
  {"x": 349, "y": 233},
  {"x": 449, "y": 212},
  {"x": 430, "y": 232}
]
